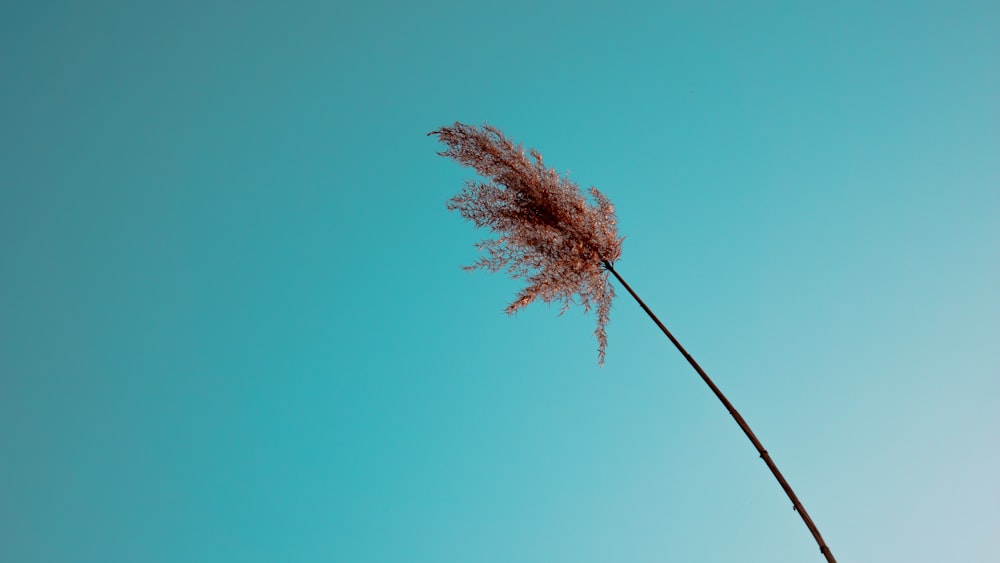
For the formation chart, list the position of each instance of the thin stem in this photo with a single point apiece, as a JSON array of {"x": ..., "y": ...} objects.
[{"x": 796, "y": 504}]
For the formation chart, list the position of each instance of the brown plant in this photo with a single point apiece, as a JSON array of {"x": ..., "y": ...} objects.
[
  {"x": 562, "y": 244},
  {"x": 548, "y": 233}
]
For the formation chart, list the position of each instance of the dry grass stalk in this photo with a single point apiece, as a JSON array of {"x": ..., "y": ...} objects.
[{"x": 562, "y": 244}]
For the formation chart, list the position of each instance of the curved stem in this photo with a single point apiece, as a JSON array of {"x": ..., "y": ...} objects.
[{"x": 796, "y": 504}]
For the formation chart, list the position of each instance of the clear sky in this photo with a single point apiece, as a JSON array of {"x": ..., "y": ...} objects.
[{"x": 233, "y": 326}]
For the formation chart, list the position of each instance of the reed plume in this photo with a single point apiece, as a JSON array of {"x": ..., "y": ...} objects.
[
  {"x": 562, "y": 244},
  {"x": 548, "y": 233}
]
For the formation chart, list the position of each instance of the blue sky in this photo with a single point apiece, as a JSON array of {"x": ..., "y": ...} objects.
[{"x": 234, "y": 326}]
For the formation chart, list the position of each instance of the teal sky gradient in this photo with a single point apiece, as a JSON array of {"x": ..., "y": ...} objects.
[{"x": 233, "y": 325}]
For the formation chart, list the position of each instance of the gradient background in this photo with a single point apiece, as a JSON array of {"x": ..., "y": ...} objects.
[{"x": 233, "y": 325}]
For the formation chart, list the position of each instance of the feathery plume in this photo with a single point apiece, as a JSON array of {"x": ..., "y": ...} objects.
[{"x": 548, "y": 232}]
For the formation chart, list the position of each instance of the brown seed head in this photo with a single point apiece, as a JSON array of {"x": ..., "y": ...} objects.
[{"x": 547, "y": 231}]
